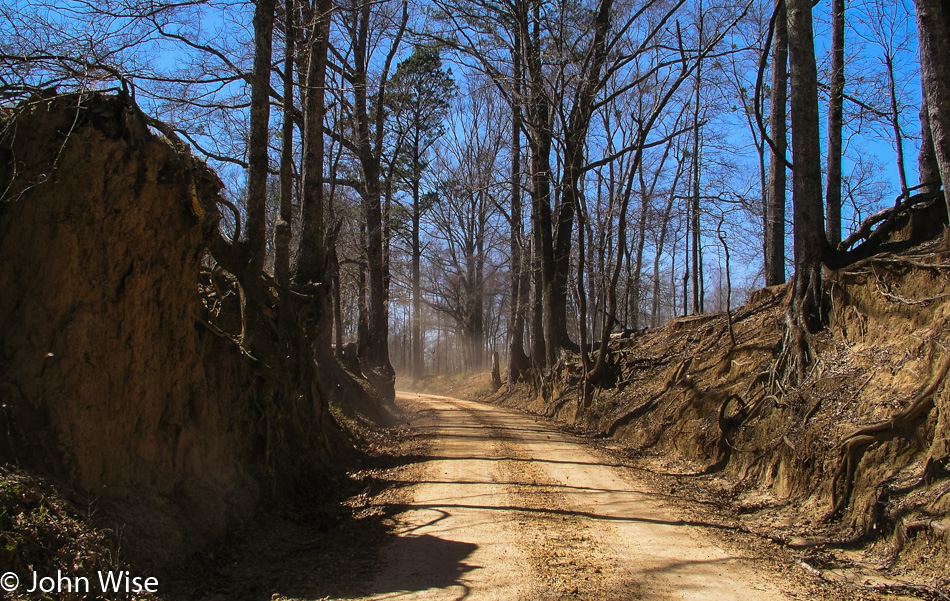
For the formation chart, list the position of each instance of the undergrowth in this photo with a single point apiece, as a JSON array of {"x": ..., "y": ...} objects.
[{"x": 44, "y": 534}]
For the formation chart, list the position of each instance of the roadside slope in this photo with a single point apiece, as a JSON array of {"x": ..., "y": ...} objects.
[{"x": 857, "y": 453}]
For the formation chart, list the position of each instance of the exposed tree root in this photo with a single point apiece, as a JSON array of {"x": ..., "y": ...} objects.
[
  {"x": 733, "y": 421},
  {"x": 887, "y": 218},
  {"x": 807, "y": 313},
  {"x": 855, "y": 443},
  {"x": 639, "y": 364},
  {"x": 630, "y": 416},
  {"x": 679, "y": 376},
  {"x": 917, "y": 590},
  {"x": 885, "y": 290}
]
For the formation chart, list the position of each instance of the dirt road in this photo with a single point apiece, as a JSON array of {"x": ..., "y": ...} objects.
[{"x": 507, "y": 508}]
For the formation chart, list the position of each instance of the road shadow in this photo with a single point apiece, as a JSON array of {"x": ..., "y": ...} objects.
[
  {"x": 422, "y": 562},
  {"x": 299, "y": 557},
  {"x": 548, "y": 511},
  {"x": 333, "y": 547}
]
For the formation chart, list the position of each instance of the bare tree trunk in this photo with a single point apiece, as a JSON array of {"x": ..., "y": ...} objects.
[
  {"x": 333, "y": 260},
  {"x": 362, "y": 317},
  {"x": 581, "y": 285},
  {"x": 646, "y": 193},
  {"x": 933, "y": 28},
  {"x": 517, "y": 359},
  {"x": 637, "y": 262},
  {"x": 927, "y": 165},
  {"x": 256, "y": 224},
  {"x": 896, "y": 126},
  {"x": 369, "y": 131},
  {"x": 673, "y": 295},
  {"x": 575, "y": 139},
  {"x": 334, "y": 276},
  {"x": 541, "y": 213},
  {"x": 255, "y": 230},
  {"x": 810, "y": 241},
  {"x": 697, "y": 247},
  {"x": 538, "y": 351},
  {"x": 387, "y": 197},
  {"x": 598, "y": 262},
  {"x": 835, "y": 124},
  {"x": 495, "y": 372},
  {"x": 695, "y": 212},
  {"x": 416, "y": 351},
  {"x": 610, "y": 317},
  {"x": 775, "y": 233},
  {"x": 686, "y": 255},
  {"x": 725, "y": 249},
  {"x": 310, "y": 264},
  {"x": 540, "y": 142},
  {"x": 478, "y": 303},
  {"x": 282, "y": 230},
  {"x": 661, "y": 242},
  {"x": 377, "y": 337},
  {"x": 524, "y": 293}
]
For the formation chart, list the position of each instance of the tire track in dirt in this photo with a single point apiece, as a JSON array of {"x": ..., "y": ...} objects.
[
  {"x": 643, "y": 548},
  {"x": 509, "y": 508},
  {"x": 454, "y": 535},
  {"x": 564, "y": 554}
]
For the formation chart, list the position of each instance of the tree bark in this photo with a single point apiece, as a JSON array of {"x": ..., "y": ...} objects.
[
  {"x": 896, "y": 126},
  {"x": 933, "y": 28},
  {"x": 575, "y": 139},
  {"x": 540, "y": 141},
  {"x": 310, "y": 263},
  {"x": 581, "y": 286},
  {"x": 538, "y": 351},
  {"x": 283, "y": 230},
  {"x": 661, "y": 242},
  {"x": 255, "y": 230},
  {"x": 835, "y": 125},
  {"x": 927, "y": 165},
  {"x": 646, "y": 197},
  {"x": 368, "y": 148},
  {"x": 775, "y": 232},
  {"x": 495, "y": 371},
  {"x": 686, "y": 253},
  {"x": 517, "y": 358},
  {"x": 810, "y": 242},
  {"x": 256, "y": 225},
  {"x": 696, "y": 172},
  {"x": 416, "y": 361}
]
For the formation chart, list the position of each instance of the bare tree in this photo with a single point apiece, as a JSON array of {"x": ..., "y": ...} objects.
[
  {"x": 519, "y": 276},
  {"x": 835, "y": 125},
  {"x": 927, "y": 167},
  {"x": 806, "y": 312},
  {"x": 464, "y": 228},
  {"x": 366, "y": 111},
  {"x": 933, "y": 27},
  {"x": 775, "y": 210},
  {"x": 885, "y": 26},
  {"x": 310, "y": 264},
  {"x": 419, "y": 98}
]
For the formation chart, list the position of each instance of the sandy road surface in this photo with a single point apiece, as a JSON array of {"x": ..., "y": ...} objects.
[{"x": 508, "y": 508}]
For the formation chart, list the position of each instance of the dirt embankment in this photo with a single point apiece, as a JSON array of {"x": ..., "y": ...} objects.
[
  {"x": 114, "y": 377},
  {"x": 473, "y": 386},
  {"x": 854, "y": 456}
]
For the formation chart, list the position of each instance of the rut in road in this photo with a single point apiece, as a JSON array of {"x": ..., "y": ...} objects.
[{"x": 508, "y": 508}]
